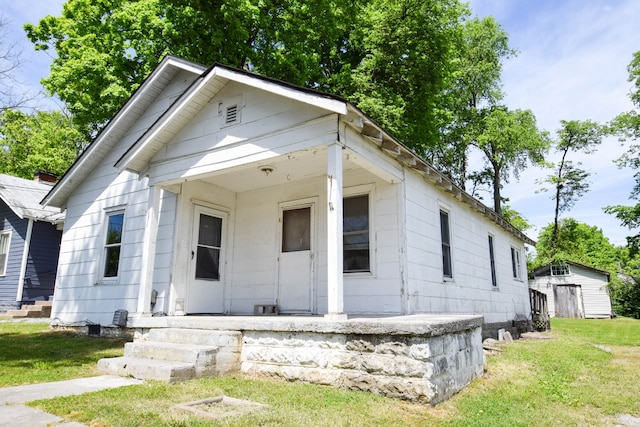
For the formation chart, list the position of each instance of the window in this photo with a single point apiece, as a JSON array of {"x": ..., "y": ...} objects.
[
  {"x": 560, "y": 270},
  {"x": 5, "y": 239},
  {"x": 446, "y": 244},
  {"x": 113, "y": 243},
  {"x": 515, "y": 263},
  {"x": 492, "y": 260},
  {"x": 355, "y": 237}
]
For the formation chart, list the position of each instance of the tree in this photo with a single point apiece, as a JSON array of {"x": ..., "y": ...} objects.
[
  {"x": 40, "y": 141},
  {"x": 408, "y": 52},
  {"x": 389, "y": 57},
  {"x": 10, "y": 61},
  {"x": 104, "y": 50},
  {"x": 515, "y": 218},
  {"x": 568, "y": 181},
  {"x": 578, "y": 242},
  {"x": 474, "y": 84},
  {"x": 510, "y": 140},
  {"x": 627, "y": 126}
]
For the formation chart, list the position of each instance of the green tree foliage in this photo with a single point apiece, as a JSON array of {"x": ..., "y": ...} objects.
[
  {"x": 568, "y": 181},
  {"x": 105, "y": 49},
  {"x": 474, "y": 85},
  {"x": 390, "y": 57},
  {"x": 407, "y": 49},
  {"x": 510, "y": 140},
  {"x": 627, "y": 126},
  {"x": 40, "y": 141},
  {"x": 577, "y": 242},
  {"x": 625, "y": 290},
  {"x": 515, "y": 218}
]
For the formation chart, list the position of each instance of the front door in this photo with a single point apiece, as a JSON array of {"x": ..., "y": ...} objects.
[
  {"x": 295, "y": 269},
  {"x": 206, "y": 267}
]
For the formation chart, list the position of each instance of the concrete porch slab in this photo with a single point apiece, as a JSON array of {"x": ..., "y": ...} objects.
[{"x": 418, "y": 324}]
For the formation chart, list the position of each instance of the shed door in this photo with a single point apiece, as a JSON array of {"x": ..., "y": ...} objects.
[
  {"x": 296, "y": 260},
  {"x": 568, "y": 301},
  {"x": 207, "y": 262}
]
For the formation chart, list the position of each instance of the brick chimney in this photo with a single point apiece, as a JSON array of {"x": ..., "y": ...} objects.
[{"x": 45, "y": 177}]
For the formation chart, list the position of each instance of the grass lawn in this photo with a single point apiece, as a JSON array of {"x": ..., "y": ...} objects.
[{"x": 588, "y": 374}]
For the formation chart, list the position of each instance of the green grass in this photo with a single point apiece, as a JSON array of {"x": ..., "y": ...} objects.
[
  {"x": 567, "y": 380},
  {"x": 33, "y": 353}
]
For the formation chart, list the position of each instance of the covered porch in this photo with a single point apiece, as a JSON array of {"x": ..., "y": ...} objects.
[{"x": 268, "y": 230}]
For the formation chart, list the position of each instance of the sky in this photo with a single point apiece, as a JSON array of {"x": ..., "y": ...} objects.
[{"x": 571, "y": 65}]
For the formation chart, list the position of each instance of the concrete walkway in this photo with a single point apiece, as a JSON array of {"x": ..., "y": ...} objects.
[{"x": 14, "y": 413}]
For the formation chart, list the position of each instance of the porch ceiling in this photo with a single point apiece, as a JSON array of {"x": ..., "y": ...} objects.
[{"x": 298, "y": 166}]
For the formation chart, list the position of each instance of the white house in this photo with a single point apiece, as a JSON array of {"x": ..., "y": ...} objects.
[
  {"x": 217, "y": 191},
  {"x": 574, "y": 290}
]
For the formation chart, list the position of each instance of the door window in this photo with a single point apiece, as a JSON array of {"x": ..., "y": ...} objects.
[
  {"x": 296, "y": 230},
  {"x": 208, "y": 249}
]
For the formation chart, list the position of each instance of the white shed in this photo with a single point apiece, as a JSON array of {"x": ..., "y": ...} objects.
[
  {"x": 574, "y": 290},
  {"x": 218, "y": 191}
]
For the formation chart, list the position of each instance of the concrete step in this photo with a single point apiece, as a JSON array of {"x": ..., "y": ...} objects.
[
  {"x": 31, "y": 311},
  {"x": 203, "y": 358},
  {"x": 220, "y": 339},
  {"x": 44, "y": 303},
  {"x": 147, "y": 369}
]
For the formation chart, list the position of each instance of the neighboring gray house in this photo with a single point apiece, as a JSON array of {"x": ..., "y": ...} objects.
[
  {"x": 574, "y": 290},
  {"x": 218, "y": 191},
  {"x": 29, "y": 241}
]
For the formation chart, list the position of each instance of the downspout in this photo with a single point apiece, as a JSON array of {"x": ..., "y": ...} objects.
[{"x": 25, "y": 257}]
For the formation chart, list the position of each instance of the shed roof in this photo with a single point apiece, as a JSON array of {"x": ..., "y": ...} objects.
[
  {"x": 23, "y": 197},
  {"x": 545, "y": 270}
]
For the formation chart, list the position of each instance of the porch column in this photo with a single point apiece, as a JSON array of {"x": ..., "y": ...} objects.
[
  {"x": 148, "y": 252},
  {"x": 335, "y": 291},
  {"x": 23, "y": 263}
]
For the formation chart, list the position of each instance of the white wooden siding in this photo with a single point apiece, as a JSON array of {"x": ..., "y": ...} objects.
[
  {"x": 470, "y": 290},
  {"x": 595, "y": 297}
]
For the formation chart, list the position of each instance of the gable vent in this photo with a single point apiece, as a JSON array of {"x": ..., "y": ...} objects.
[{"x": 232, "y": 114}]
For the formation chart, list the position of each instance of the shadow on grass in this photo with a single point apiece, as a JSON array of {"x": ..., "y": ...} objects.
[{"x": 32, "y": 355}]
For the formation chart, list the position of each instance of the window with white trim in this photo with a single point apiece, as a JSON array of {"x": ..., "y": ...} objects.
[
  {"x": 113, "y": 244},
  {"x": 5, "y": 240},
  {"x": 445, "y": 237},
  {"x": 515, "y": 263},
  {"x": 560, "y": 270},
  {"x": 355, "y": 234},
  {"x": 492, "y": 263}
]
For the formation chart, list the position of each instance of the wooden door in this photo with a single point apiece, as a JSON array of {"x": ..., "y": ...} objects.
[
  {"x": 207, "y": 262},
  {"x": 568, "y": 301},
  {"x": 295, "y": 270}
]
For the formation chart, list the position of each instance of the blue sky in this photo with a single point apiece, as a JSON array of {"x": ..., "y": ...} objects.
[{"x": 571, "y": 64}]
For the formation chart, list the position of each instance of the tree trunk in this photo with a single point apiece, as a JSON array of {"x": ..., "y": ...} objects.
[{"x": 497, "y": 205}]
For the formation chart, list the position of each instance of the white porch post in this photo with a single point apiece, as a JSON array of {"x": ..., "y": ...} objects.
[
  {"x": 335, "y": 292},
  {"x": 148, "y": 252}
]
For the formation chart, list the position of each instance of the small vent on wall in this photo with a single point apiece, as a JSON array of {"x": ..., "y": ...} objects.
[{"x": 232, "y": 114}]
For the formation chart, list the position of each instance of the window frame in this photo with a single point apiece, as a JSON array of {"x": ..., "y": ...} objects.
[
  {"x": 492, "y": 261},
  {"x": 516, "y": 263},
  {"x": 3, "y": 268},
  {"x": 564, "y": 267},
  {"x": 369, "y": 191},
  {"x": 105, "y": 246},
  {"x": 446, "y": 245}
]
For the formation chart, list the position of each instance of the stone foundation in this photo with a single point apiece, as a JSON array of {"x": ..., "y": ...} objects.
[
  {"x": 515, "y": 327},
  {"x": 418, "y": 368},
  {"x": 420, "y": 357}
]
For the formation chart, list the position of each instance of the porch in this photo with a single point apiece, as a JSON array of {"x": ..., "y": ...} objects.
[{"x": 419, "y": 357}]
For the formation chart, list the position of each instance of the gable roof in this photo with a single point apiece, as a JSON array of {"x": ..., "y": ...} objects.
[
  {"x": 23, "y": 197},
  {"x": 545, "y": 270},
  {"x": 207, "y": 82}
]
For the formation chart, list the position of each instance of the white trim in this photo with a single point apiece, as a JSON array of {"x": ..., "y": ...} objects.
[
  {"x": 25, "y": 258},
  {"x": 365, "y": 190},
  {"x": 3, "y": 271},
  {"x": 108, "y": 212}
]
